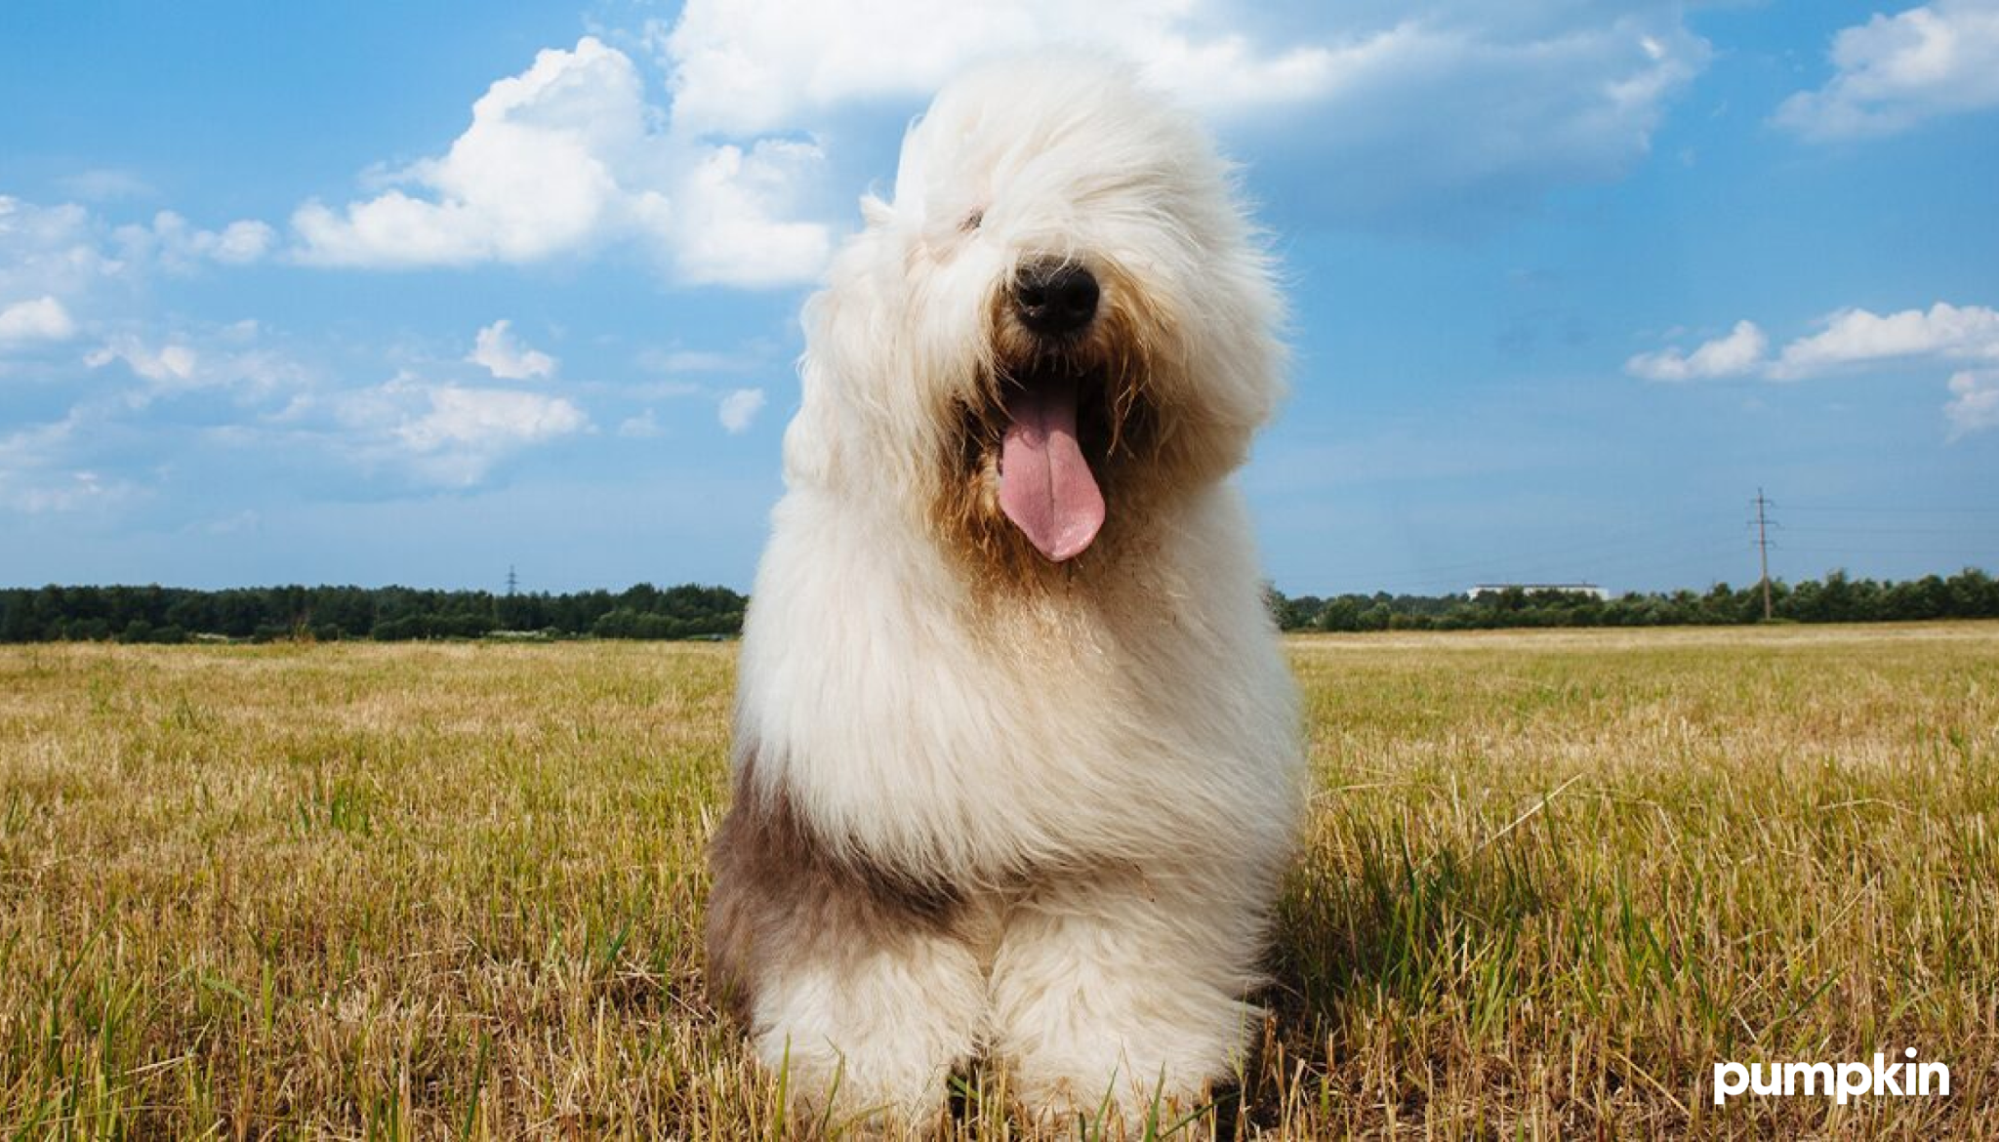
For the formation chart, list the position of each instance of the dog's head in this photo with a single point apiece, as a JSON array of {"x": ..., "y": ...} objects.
[{"x": 1061, "y": 324}]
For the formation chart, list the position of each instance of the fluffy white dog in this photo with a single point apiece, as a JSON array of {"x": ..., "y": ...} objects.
[{"x": 1017, "y": 757}]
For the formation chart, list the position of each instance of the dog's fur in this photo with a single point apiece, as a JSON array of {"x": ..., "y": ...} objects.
[{"x": 989, "y": 805}]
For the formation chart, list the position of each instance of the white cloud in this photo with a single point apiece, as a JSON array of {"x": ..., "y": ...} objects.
[
  {"x": 431, "y": 433},
  {"x": 63, "y": 261},
  {"x": 1974, "y": 403},
  {"x": 756, "y": 68},
  {"x": 725, "y": 234},
  {"x": 226, "y": 359},
  {"x": 1845, "y": 338},
  {"x": 1852, "y": 339},
  {"x": 170, "y": 364},
  {"x": 37, "y": 319},
  {"x": 444, "y": 434},
  {"x": 485, "y": 417},
  {"x": 57, "y": 251},
  {"x": 67, "y": 492},
  {"x": 1855, "y": 336},
  {"x": 567, "y": 157},
  {"x": 180, "y": 246},
  {"x": 112, "y": 447},
  {"x": 739, "y": 409},
  {"x": 243, "y": 241},
  {"x": 1894, "y": 72},
  {"x": 1437, "y": 98},
  {"x": 1480, "y": 117},
  {"x": 644, "y": 426},
  {"x": 726, "y": 183},
  {"x": 531, "y": 177},
  {"x": 1740, "y": 351},
  {"x": 751, "y": 68},
  {"x": 507, "y": 357},
  {"x": 38, "y": 472}
]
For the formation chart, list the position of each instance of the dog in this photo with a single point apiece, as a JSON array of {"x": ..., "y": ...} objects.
[{"x": 1017, "y": 762}]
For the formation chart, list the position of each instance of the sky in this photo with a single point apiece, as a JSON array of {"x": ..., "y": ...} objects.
[{"x": 416, "y": 293}]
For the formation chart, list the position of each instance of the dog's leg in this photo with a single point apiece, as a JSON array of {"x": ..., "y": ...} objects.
[
  {"x": 851, "y": 979},
  {"x": 1117, "y": 998},
  {"x": 867, "y": 1028}
]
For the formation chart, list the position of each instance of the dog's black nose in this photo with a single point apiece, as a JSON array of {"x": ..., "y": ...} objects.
[{"x": 1055, "y": 298}]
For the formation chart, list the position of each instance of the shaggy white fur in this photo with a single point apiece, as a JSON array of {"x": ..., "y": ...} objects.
[{"x": 999, "y": 796}]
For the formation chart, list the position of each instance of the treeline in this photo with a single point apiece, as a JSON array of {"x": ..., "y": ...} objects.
[
  {"x": 1970, "y": 594},
  {"x": 262, "y": 614}
]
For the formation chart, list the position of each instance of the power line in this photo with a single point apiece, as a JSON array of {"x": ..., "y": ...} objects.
[
  {"x": 1646, "y": 556},
  {"x": 1654, "y": 541},
  {"x": 1845, "y": 551},
  {"x": 1885, "y": 511},
  {"x": 1614, "y": 546},
  {"x": 1862, "y": 530}
]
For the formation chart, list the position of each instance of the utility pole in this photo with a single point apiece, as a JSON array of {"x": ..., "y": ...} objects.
[
  {"x": 1763, "y": 548},
  {"x": 512, "y": 581}
]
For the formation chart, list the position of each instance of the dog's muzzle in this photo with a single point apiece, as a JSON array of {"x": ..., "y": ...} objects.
[
  {"x": 1055, "y": 298},
  {"x": 1046, "y": 487}
]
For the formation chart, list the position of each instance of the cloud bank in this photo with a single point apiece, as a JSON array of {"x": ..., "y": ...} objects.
[
  {"x": 565, "y": 158},
  {"x": 1851, "y": 339},
  {"x": 1895, "y": 72},
  {"x": 1481, "y": 106}
]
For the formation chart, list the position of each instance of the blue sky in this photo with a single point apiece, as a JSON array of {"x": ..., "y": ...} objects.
[{"x": 413, "y": 293}]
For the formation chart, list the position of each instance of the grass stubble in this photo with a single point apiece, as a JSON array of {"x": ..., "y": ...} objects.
[{"x": 455, "y": 890}]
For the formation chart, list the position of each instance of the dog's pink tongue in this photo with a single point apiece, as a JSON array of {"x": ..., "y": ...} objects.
[{"x": 1046, "y": 487}]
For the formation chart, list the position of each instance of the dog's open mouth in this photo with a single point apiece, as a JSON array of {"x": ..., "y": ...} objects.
[
  {"x": 1058, "y": 431},
  {"x": 1046, "y": 486}
]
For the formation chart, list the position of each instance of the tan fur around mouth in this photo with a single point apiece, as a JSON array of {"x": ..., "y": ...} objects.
[{"x": 1119, "y": 424}]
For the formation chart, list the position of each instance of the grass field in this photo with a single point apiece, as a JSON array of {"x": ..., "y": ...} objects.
[{"x": 456, "y": 890}]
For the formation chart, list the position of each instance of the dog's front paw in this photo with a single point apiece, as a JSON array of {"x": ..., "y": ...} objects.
[
  {"x": 828, "y": 1094},
  {"x": 1107, "y": 1104}
]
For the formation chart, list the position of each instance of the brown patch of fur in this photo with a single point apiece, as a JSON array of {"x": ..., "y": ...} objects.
[{"x": 780, "y": 888}]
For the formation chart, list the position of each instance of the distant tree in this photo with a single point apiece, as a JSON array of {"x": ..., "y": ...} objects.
[{"x": 151, "y": 613}]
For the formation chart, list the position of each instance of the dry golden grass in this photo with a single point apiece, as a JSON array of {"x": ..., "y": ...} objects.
[{"x": 456, "y": 890}]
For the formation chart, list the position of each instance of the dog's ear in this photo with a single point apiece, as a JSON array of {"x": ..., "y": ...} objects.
[{"x": 875, "y": 212}]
